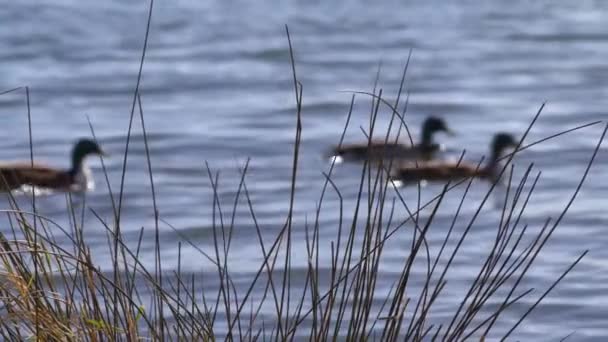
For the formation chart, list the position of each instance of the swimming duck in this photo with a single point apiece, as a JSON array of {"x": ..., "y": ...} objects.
[
  {"x": 446, "y": 171},
  {"x": 15, "y": 175},
  {"x": 379, "y": 150}
]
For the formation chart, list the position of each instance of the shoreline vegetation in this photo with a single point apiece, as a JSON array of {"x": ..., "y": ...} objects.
[{"x": 51, "y": 292}]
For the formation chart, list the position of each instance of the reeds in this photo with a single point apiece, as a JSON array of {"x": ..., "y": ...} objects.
[{"x": 50, "y": 291}]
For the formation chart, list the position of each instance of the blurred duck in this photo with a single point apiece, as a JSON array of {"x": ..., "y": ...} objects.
[
  {"x": 379, "y": 150},
  {"x": 16, "y": 175},
  {"x": 446, "y": 171}
]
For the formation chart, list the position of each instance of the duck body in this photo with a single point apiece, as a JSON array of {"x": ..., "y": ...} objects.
[
  {"x": 449, "y": 171},
  {"x": 440, "y": 171},
  {"x": 14, "y": 176},
  {"x": 381, "y": 150}
]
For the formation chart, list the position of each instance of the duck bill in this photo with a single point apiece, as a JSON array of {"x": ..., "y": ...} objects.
[{"x": 450, "y": 132}]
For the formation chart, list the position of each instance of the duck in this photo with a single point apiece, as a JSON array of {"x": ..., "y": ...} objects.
[
  {"x": 381, "y": 150},
  {"x": 440, "y": 170},
  {"x": 14, "y": 176}
]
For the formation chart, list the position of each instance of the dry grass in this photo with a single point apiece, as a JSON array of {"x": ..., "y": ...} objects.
[{"x": 49, "y": 292}]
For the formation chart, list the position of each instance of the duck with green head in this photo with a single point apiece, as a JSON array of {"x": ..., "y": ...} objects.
[
  {"x": 16, "y": 175},
  {"x": 450, "y": 171},
  {"x": 380, "y": 150}
]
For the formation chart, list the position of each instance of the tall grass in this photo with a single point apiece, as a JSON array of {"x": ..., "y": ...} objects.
[{"x": 52, "y": 292}]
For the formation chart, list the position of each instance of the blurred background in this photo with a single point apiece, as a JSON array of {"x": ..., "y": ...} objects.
[{"x": 217, "y": 87}]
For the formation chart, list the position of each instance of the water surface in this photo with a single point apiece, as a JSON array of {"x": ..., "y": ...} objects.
[{"x": 217, "y": 87}]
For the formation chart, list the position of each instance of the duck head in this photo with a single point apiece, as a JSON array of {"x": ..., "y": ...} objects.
[
  {"x": 82, "y": 149},
  {"x": 500, "y": 143},
  {"x": 435, "y": 124},
  {"x": 431, "y": 126}
]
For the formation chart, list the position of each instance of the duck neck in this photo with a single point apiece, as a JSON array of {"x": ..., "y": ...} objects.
[
  {"x": 77, "y": 163},
  {"x": 491, "y": 168},
  {"x": 427, "y": 138}
]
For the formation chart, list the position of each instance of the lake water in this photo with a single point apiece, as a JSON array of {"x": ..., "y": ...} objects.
[{"x": 217, "y": 87}]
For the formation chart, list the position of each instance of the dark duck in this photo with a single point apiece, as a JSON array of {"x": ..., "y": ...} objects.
[
  {"x": 380, "y": 150},
  {"x": 14, "y": 176},
  {"x": 452, "y": 171}
]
